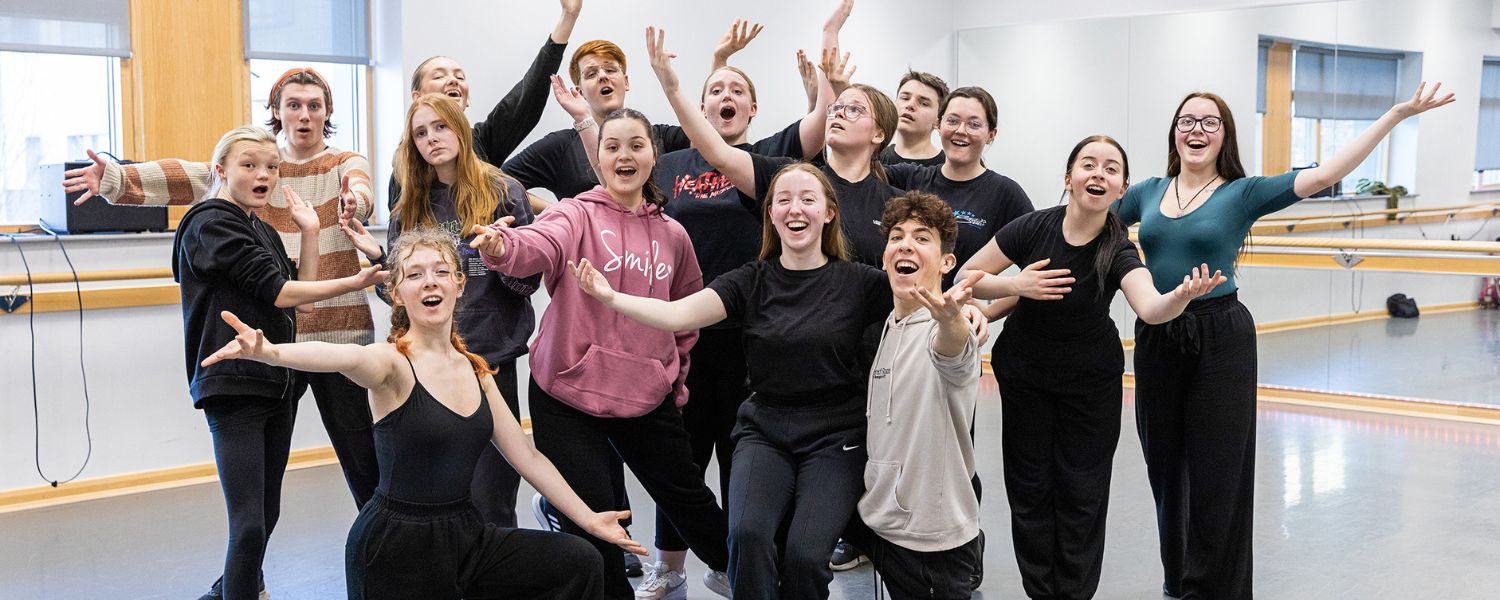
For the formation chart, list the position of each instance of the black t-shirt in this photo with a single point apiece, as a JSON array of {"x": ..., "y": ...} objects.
[
  {"x": 981, "y": 205},
  {"x": 889, "y": 157},
  {"x": 860, "y": 205},
  {"x": 557, "y": 162},
  {"x": 1076, "y": 331},
  {"x": 804, "y": 330},
  {"x": 724, "y": 235}
]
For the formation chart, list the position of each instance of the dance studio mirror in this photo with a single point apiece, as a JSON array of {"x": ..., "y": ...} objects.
[{"x": 1302, "y": 81}]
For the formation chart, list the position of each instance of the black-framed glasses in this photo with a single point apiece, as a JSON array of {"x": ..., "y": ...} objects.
[
  {"x": 1210, "y": 124},
  {"x": 851, "y": 112}
]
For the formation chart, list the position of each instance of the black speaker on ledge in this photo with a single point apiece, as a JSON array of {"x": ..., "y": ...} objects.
[{"x": 59, "y": 214}]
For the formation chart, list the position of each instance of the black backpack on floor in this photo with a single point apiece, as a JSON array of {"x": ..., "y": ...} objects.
[{"x": 1401, "y": 307}]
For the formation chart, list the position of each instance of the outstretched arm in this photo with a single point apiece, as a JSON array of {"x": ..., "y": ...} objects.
[
  {"x": 366, "y": 366},
  {"x": 542, "y": 475},
  {"x": 1032, "y": 282},
  {"x": 1156, "y": 308},
  {"x": 948, "y": 310},
  {"x": 148, "y": 183},
  {"x": 740, "y": 34},
  {"x": 1343, "y": 162},
  {"x": 308, "y": 224},
  {"x": 569, "y": 17},
  {"x": 698, "y": 310},
  {"x": 307, "y": 292},
  {"x": 732, "y": 162}
]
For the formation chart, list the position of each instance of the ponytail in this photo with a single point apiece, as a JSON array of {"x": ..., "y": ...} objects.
[{"x": 1104, "y": 254}]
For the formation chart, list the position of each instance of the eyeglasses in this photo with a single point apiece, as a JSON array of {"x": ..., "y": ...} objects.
[
  {"x": 973, "y": 125},
  {"x": 852, "y": 112},
  {"x": 1210, "y": 124}
]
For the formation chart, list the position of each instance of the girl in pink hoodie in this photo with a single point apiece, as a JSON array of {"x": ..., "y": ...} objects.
[{"x": 602, "y": 383}]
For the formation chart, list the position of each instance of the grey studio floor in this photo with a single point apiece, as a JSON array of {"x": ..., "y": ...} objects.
[{"x": 1348, "y": 505}]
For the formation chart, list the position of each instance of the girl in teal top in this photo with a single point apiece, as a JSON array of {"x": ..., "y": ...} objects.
[{"x": 1196, "y": 374}]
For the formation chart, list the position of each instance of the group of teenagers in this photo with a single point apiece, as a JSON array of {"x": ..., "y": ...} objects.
[{"x": 805, "y": 307}]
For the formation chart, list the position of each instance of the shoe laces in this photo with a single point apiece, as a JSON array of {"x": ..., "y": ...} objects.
[{"x": 660, "y": 577}]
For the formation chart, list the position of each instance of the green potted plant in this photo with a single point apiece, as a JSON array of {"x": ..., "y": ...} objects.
[{"x": 1379, "y": 188}]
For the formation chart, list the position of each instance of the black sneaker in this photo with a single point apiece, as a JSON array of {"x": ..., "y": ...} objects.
[
  {"x": 846, "y": 556},
  {"x": 633, "y": 566},
  {"x": 977, "y": 577},
  {"x": 216, "y": 591}
]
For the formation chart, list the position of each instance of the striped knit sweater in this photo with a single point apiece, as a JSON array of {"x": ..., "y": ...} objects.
[{"x": 343, "y": 319}]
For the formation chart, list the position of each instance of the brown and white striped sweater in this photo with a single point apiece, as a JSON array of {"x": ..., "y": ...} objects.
[{"x": 344, "y": 319}]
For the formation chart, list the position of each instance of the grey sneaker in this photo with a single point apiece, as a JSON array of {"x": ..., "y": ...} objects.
[
  {"x": 718, "y": 583},
  {"x": 663, "y": 584},
  {"x": 216, "y": 591}
]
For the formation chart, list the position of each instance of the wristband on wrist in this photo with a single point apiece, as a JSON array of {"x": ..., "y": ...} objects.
[{"x": 586, "y": 123}]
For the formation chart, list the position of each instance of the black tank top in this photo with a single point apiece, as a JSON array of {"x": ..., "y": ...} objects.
[{"x": 426, "y": 451}]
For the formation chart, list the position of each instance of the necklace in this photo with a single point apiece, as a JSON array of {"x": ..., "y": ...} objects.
[{"x": 1177, "y": 193}]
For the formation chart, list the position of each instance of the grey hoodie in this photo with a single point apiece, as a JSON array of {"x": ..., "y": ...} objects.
[{"x": 918, "y": 493}]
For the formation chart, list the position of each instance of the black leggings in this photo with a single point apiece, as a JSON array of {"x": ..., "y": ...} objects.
[
  {"x": 716, "y": 388},
  {"x": 655, "y": 447},
  {"x": 1195, "y": 411},
  {"x": 403, "y": 550},
  {"x": 345, "y": 410},
  {"x": 912, "y": 575},
  {"x": 252, "y": 438}
]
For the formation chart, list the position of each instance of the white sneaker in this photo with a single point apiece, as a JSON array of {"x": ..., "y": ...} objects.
[
  {"x": 718, "y": 583},
  {"x": 663, "y": 584},
  {"x": 546, "y": 518}
]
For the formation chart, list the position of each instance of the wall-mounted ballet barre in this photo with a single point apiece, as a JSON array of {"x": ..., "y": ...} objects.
[{"x": 1454, "y": 209}]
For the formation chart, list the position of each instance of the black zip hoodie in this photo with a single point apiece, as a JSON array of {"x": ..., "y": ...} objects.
[{"x": 226, "y": 259}]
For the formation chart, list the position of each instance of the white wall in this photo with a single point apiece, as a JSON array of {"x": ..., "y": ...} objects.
[{"x": 496, "y": 41}]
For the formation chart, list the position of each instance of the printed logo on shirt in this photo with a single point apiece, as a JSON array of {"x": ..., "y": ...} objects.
[
  {"x": 965, "y": 217},
  {"x": 881, "y": 373},
  {"x": 472, "y": 262},
  {"x": 649, "y": 267},
  {"x": 703, "y": 186}
]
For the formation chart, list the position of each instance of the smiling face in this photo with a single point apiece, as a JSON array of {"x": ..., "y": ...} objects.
[
  {"x": 250, "y": 171},
  {"x": 965, "y": 131},
  {"x": 303, "y": 112},
  {"x": 798, "y": 211},
  {"x": 441, "y": 75},
  {"x": 433, "y": 137},
  {"x": 428, "y": 285},
  {"x": 626, "y": 156},
  {"x": 918, "y": 105},
  {"x": 603, "y": 83},
  {"x": 914, "y": 256},
  {"x": 1199, "y": 148},
  {"x": 1097, "y": 176},
  {"x": 729, "y": 103}
]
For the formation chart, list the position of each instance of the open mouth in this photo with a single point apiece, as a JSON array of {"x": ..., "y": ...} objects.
[
  {"x": 261, "y": 190},
  {"x": 1197, "y": 144},
  {"x": 453, "y": 93},
  {"x": 431, "y": 301},
  {"x": 606, "y": 90},
  {"x": 836, "y": 126},
  {"x": 796, "y": 226},
  {"x": 1094, "y": 190},
  {"x": 625, "y": 171},
  {"x": 905, "y": 267},
  {"x": 907, "y": 118},
  {"x": 727, "y": 112},
  {"x": 959, "y": 143}
]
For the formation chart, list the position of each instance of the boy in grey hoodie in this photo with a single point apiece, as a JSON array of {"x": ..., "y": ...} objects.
[{"x": 919, "y": 517}]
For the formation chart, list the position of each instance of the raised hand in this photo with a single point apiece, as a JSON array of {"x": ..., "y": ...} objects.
[
  {"x": 1198, "y": 283},
  {"x": 1034, "y": 283},
  {"x": 365, "y": 243},
  {"x": 571, "y": 100},
  {"x": 348, "y": 202},
  {"x": 838, "y": 70},
  {"x": 606, "y": 526},
  {"x": 303, "y": 214},
  {"x": 740, "y": 33},
  {"x": 571, "y": 7},
  {"x": 248, "y": 343},
  {"x": 661, "y": 59},
  {"x": 947, "y": 306},
  {"x": 1422, "y": 102},
  {"x": 488, "y": 239},
  {"x": 85, "y": 179},
  {"x": 809, "y": 73},
  {"x": 840, "y": 15},
  {"x": 591, "y": 281}
]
